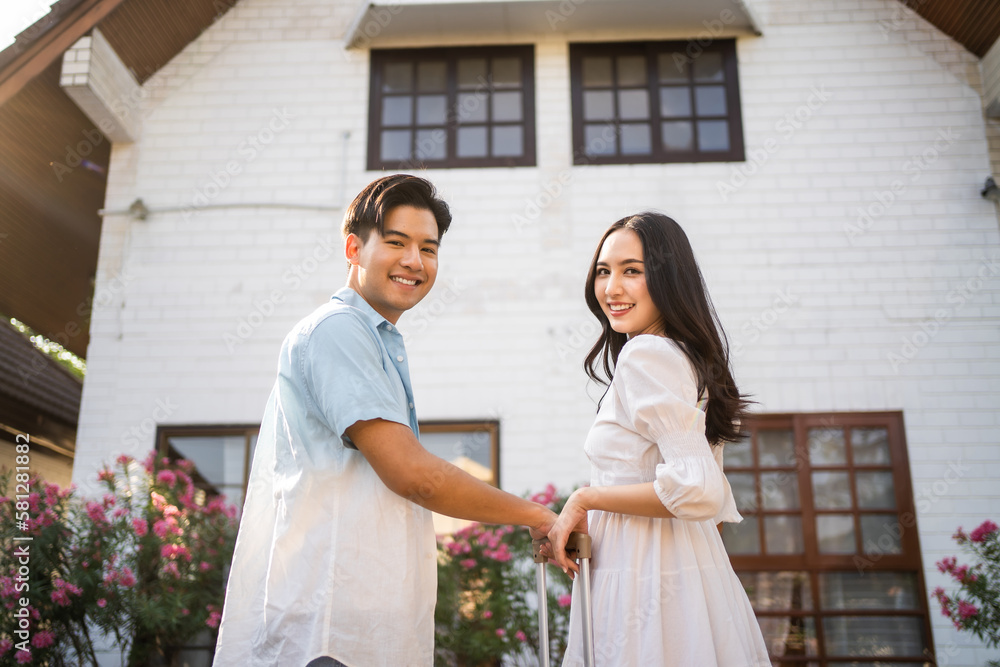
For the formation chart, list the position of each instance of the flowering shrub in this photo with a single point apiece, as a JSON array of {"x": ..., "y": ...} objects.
[
  {"x": 144, "y": 564},
  {"x": 976, "y": 606},
  {"x": 486, "y": 594}
]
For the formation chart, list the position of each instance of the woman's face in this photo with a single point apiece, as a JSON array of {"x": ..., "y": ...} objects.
[{"x": 620, "y": 286}]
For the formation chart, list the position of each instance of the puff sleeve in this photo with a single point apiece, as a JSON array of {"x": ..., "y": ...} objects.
[{"x": 656, "y": 389}]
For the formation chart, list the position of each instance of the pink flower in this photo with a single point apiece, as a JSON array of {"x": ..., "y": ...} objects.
[
  {"x": 521, "y": 636},
  {"x": 187, "y": 465},
  {"x": 171, "y": 569},
  {"x": 127, "y": 579},
  {"x": 108, "y": 500},
  {"x": 140, "y": 527},
  {"x": 184, "y": 612},
  {"x": 501, "y": 632},
  {"x": 166, "y": 477},
  {"x": 96, "y": 513},
  {"x": 123, "y": 460},
  {"x": 966, "y": 609},
  {"x": 5, "y": 645},
  {"x": 947, "y": 564},
  {"x": 204, "y": 567},
  {"x": 43, "y": 639},
  {"x": 960, "y": 535},
  {"x": 102, "y": 603},
  {"x": 172, "y": 551},
  {"x": 23, "y": 657},
  {"x": 214, "y": 616},
  {"x": 468, "y": 563},
  {"x": 985, "y": 529},
  {"x": 565, "y": 600},
  {"x": 487, "y": 614}
]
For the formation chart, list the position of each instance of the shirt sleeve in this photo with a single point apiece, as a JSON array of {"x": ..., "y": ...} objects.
[
  {"x": 344, "y": 374},
  {"x": 655, "y": 384}
]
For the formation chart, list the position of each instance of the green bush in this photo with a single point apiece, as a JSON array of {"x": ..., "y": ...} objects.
[
  {"x": 144, "y": 564},
  {"x": 486, "y": 608}
]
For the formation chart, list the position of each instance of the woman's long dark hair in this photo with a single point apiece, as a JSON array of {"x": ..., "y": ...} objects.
[{"x": 678, "y": 291}]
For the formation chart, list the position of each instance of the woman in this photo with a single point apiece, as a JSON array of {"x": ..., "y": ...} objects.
[{"x": 663, "y": 590}]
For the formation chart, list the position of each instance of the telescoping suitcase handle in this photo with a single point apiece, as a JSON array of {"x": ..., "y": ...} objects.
[{"x": 578, "y": 548}]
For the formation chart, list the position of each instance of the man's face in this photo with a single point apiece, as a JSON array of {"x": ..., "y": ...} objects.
[{"x": 395, "y": 270}]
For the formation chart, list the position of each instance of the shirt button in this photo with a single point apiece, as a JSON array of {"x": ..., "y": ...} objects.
[
  {"x": 411, "y": 406},
  {"x": 399, "y": 358},
  {"x": 388, "y": 327}
]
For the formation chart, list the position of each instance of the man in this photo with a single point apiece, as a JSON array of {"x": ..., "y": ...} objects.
[{"x": 336, "y": 560}]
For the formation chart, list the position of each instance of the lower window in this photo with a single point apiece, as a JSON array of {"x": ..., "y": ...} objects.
[{"x": 828, "y": 550}]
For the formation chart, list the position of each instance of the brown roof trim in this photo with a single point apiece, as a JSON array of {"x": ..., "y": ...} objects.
[{"x": 42, "y": 51}]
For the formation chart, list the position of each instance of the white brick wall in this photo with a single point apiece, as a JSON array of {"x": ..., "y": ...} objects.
[{"x": 510, "y": 345}]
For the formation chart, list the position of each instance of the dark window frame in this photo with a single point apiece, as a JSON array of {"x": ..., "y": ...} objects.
[
  {"x": 488, "y": 426},
  {"x": 813, "y": 563},
  {"x": 451, "y": 55},
  {"x": 658, "y": 155},
  {"x": 248, "y": 431}
]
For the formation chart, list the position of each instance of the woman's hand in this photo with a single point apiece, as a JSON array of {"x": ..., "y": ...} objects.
[{"x": 573, "y": 518}]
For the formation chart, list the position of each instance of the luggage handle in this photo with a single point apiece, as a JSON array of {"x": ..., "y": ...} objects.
[{"x": 578, "y": 547}]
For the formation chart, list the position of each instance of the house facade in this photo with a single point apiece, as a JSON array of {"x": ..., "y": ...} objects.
[{"x": 824, "y": 156}]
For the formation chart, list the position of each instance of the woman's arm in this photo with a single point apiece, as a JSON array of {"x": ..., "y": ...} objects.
[{"x": 635, "y": 499}]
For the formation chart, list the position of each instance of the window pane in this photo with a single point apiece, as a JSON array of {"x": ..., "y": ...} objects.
[
  {"x": 431, "y": 77},
  {"x": 507, "y": 72},
  {"x": 219, "y": 460},
  {"x": 713, "y": 135},
  {"x": 598, "y": 105},
  {"x": 789, "y": 635},
  {"x": 431, "y": 109},
  {"x": 632, "y": 71},
  {"x": 710, "y": 100},
  {"x": 708, "y": 67},
  {"x": 432, "y": 144},
  {"x": 397, "y": 78},
  {"x": 741, "y": 538},
  {"x": 868, "y": 590},
  {"x": 874, "y": 635},
  {"x": 826, "y": 446},
  {"x": 472, "y": 107},
  {"x": 875, "y": 489},
  {"x": 675, "y": 101},
  {"x": 472, "y": 451},
  {"x": 777, "y": 448},
  {"x": 742, "y": 484},
  {"x": 780, "y": 490},
  {"x": 677, "y": 136},
  {"x": 633, "y": 104},
  {"x": 472, "y": 142},
  {"x": 596, "y": 72},
  {"x": 673, "y": 68},
  {"x": 880, "y": 534},
  {"x": 636, "y": 139},
  {"x": 506, "y": 106},
  {"x": 835, "y": 533},
  {"x": 397, "y": 110},
  {"x": 783, "y": 534},
  {"x": 472, "y": 73},
  {"x": 831, "y": 490},
  {"x": 601, "y": 140},
  {"x": 870, "y": 446},
  {"x": 507, "y": 141},
  {"x": 395, "y": 145},
  {"x": 738, "y": 454},
  {"x": 777, "y": 591}
]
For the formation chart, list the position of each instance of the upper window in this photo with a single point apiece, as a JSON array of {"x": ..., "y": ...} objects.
[
  {"x": 455, "y": 107},
  {"x": 827, "y": 549},
  {"x": 651, "y": 102},
  {"x": 221, "y": 456}
]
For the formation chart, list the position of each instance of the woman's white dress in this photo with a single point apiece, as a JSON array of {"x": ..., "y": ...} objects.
[{"x": 663, "y": 590}]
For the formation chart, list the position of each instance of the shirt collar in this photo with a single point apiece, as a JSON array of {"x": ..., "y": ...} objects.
[{"x": 353, "y": 299}]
